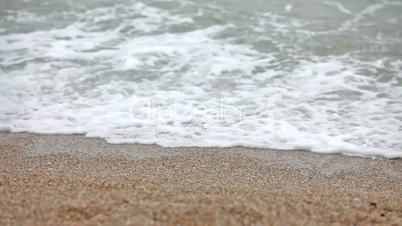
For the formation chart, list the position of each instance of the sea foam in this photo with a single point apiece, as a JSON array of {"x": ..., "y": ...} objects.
[{"x": 192, "y": 74}]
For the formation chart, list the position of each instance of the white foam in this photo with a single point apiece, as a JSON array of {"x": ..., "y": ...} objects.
[
  {"x": 288, "y": 7},
  {"x": 339, "y": 6},
  {"x": 135, "y": 82},
  {"x": 369, "y": 10}
]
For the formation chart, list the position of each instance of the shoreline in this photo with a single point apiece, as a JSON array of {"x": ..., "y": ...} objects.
[
  {"x": 168, "y": 149},
  {"x": 70, "y": 179}
]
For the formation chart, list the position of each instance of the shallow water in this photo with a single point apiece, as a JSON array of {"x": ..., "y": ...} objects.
[{"x": 324, "y": 76}]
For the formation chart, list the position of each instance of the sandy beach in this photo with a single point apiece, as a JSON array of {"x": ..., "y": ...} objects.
[{"x": 73, "y": 180}]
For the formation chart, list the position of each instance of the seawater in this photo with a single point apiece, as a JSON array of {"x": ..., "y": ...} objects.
[{"x": 324, "y": 76}]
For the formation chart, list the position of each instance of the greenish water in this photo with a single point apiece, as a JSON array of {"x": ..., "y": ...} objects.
[{"x": 320, "y": 75}]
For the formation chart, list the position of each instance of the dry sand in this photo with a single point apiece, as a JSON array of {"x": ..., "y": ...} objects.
[{"x": 73, "y": 180}]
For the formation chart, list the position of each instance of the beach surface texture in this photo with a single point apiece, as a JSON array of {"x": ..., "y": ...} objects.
[{"x": 73, "y": 180}]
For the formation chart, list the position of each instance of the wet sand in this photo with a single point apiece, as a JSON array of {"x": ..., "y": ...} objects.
[{"x": 73, "y": 180}]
